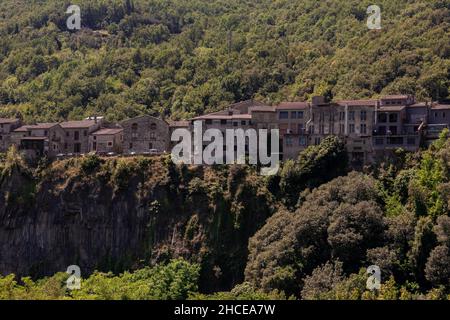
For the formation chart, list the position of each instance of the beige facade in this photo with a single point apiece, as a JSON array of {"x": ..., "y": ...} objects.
[
  {"x": 106, "y": 140},
  {"x": 145, "y": 134}
]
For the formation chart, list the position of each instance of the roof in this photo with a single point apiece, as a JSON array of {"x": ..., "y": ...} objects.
[
  {"x": 181, "y": 123},
  {"x": 39, "y": 126},
  {"x": 368, "y": 102},
  {"x": 78, "y": 124},
  {"x": 223, "y": 117},
  {"x": 395, "y": 96},
  {"x": 34, "y": 138},
  {"x": 22, "y": 128},
  {"x": 418, "y": 105},
  {"x": 391, "y": 108},
  {"x": 292, "y": 105},
  {"x": 261, "y": 109},
  {"x": 6, "y": 121},
  {"x": 107, "y": 131},
  {"x": 440, "y": 107}
]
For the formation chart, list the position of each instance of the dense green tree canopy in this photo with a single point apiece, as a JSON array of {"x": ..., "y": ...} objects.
[{"x": 182, "y": 58}]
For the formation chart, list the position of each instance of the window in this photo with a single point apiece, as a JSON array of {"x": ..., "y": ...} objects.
[
  {"x": 311, "y": 129},
  {"x": 300, "y": 115},
  {"x": 110, "y": 144},
  {"x": 294, "y": 115},
  {"x": 379, "y": 141},
  {"x": 351, "y": 116},
  {"x": 382, "y": 117},
  {"x": 153, "y": 126},
  {"x": 65, "y": 146},
  {"x": 150, "y": 146},
  {"x": 131, "y": 146},
  {"x": 67, "y": 133},
  {"x": 411, "y": 141},
  {"x": 85, "y": 133},
  {"x": 443, "y": 114},
  {"x": 288, "y": 141},
  {"x": 363, "y": 115},
  {"x": 351, "y": 128},
  {"x": 243, "y": 122},
  {"x": 393, "y": 117},
  {"x": 283, "y": 115},
  {"x": 152, "y": 135},
  {"x": 342, "y": 128},
  {"x": 45, "y": 133},
  {"x": 393, "y": 130},
  {"x": 134, "y": 129},
  {"x": 302, "y": 141},
  {"x": 223, "y": 122},
  {"x": 363, "y": 128},
  {"x": 208, "y": 121},
  {"x": 300, "y": 128},
  {"x": 382, "y": 130},
  {"x": 235, "y": 124},
  {"x": 317, "y": 141},
  {"x": 76, "y": 135}
]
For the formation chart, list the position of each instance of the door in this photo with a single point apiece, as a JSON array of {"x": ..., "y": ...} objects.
[{"x": 77, "y": 147}]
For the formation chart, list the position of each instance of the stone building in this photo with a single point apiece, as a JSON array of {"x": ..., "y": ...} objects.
[
  {"x": 76, "y": 139},
  {"x": 106, "y": 140},
  {"x": 42, "y": 139},
  {"x": 6, "y": 127},
  {"x": 145, "y": 134}
]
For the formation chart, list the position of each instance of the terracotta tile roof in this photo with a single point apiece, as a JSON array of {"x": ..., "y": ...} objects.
[
  {"x": 39, "y": 126},
  {"x": 395, "y": 96},
  {"x": 440, "y": 107},
  {"x": 77, "y": 124},
  {"x": 107, "y": 131},
  {"x": 391, "y": 108},
  {"x": 261, "y": 109},
  {"x": 223, "y": 117},
  {"x": 180, "y": 123},
  {"x": 34, "y": 138},
  {"x": 368, "y": 102},
  {"x": 7, "y": 121},
  {"x": 292, "y": 105},
  {"x": 22, "y": 128}
]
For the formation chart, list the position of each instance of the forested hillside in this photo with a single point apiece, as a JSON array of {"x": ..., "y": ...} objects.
[{"x": 180, "y": 58}]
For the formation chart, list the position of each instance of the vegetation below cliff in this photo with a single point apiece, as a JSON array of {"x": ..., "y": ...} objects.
[{"x": 309, "y": 232}]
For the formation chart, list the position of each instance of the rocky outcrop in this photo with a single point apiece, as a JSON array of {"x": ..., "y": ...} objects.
[{"x": 120, "y": 214}]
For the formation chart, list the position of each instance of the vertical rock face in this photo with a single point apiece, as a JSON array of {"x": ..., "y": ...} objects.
[{"x": 117, "y": 215}]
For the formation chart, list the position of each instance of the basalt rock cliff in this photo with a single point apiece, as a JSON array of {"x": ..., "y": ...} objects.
[{"x": 121, "y": 214}]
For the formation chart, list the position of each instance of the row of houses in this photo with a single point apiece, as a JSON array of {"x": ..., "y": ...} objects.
[
  {"x": 141, "y": 135},
  {"x": 370, "y": 128}
]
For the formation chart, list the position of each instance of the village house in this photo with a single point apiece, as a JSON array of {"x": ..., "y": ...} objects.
[
  {"x": 76, "y": 139},
  {"x": 106, "y": 140},
  {"x": 6, "y": 127},
  {"x": 145, "y": 134},
  {"x": 38, "y": 140}
]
